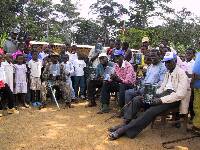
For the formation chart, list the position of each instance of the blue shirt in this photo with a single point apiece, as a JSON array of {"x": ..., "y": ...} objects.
[
  {"x": 155, "y": 74},
  {"x": 100, "y": 69},
  {"x": 196, "y": 70},
  {"x": 29, "y": 56}
]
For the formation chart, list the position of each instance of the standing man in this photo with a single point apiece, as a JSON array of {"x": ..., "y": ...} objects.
[
  {"x": 94, "y": 53},
  {"x": 11, "y": 45}
]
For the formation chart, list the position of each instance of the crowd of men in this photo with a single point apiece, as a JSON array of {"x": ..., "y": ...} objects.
[{"x": 154, "y": 80}]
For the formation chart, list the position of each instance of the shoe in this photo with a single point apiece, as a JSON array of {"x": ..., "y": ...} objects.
[
  {"x": 1, "y": 113},
  {"x": 12, "y": 111},
  {"x": 105, "y": 109},
  {"x": 26, "y": 105},
  {"x": 116, "y": 134},
  {"x": 68, "y": 104},
  {"x": 113, "y": 129},
  {"x": 82, "y": 97},
  {"x": 91, "y": 104}
]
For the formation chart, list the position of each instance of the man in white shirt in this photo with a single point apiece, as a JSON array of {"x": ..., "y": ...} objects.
[
  {"x": 79, "y": 79},
  {"x": 173, "y": 93}
]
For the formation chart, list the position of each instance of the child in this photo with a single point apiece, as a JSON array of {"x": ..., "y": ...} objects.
[
  {"x": 20, "y": 80},
  {"x": 68, "y": 69},
  {"x": 8, "y": 65},
  {"x": 7, "y": 98},
  {"x": 79, "y": 79},
  {"x": 35, "y": 66}
]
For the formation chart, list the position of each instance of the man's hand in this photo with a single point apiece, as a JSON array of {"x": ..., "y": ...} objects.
[
  {"x": 115, "y": 78},
  {"x": 100, "y": 78},
  {"x": 156, "y": 101},
  {"x": 94, "y": 58}
]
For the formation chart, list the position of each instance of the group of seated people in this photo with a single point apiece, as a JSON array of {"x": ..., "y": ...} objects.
[{"x": 168, "y": 82}]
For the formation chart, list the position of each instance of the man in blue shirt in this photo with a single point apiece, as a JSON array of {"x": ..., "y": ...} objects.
[
  {"x": 154, "y": 76},
  {"x": 97, "y": 80}
]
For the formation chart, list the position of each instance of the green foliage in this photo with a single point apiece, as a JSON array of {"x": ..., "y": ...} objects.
[
  {"x": 3, "y": 38},
  {"x": 109, "y": 13},
  {"x": 142, "y": 10},
  {"x": 87, "y": 32},
  {"x": 40, "y": 18},
  {"x": 134, "y": 36}
]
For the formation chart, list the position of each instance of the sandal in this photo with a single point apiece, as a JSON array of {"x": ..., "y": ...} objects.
[
  {"x": 113, "y": 136},
  {"x": 113, "y": 129},
  {"x": 116, "y": 134}
]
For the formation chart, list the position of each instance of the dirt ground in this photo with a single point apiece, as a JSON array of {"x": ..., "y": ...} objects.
[{"x": 78, "y": 128}]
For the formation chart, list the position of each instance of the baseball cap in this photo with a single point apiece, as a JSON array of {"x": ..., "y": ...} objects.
[
  {"x": 103, "y": 55},
  {"x": 145, "y": 39},
  {"x": 119, "y": 53},
  {"x": 169, "y": 56}
]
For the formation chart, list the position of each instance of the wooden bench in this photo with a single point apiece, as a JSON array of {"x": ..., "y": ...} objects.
[{"x": 172, "y": 112}]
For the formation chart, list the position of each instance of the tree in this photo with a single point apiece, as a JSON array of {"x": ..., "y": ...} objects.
[
  {"x": 182, "y": 30},
  {"x": 142, "y": 10},
  {"x": 87, "y": 32},
  {"x": 109, "y": 13},
  {"x": 8, "y": 12}
]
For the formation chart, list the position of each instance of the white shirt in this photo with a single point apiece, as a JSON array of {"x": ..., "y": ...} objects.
[
  {"x": 73, "y": 57},
  {"x": 68, "y": 68},
  {"x": 79, "y": 65},
  {"x": 43, "y": 55},
  {"x": 93, "y": 53},
  {"x": 189, "y": 66},
  {"x": 2, "y": 74},
  {"x": 169, "y": 85},
  {"x": 35, "y": 67},
  {"x": 9, "y": 70}
]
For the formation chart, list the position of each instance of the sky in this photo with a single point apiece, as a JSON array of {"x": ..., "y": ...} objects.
[{"x": 191, "y": 5}]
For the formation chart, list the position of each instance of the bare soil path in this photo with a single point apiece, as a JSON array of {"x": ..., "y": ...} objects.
[{"x": 77, "y": 128}]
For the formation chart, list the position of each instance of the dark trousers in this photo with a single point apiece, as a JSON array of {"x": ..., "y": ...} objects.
[
  {"x": 92, "y": 85},
  {"x": 109, "y": 87},
  {"x": 134, "y": 127},
  {"x": 79, "y": 81},
  {"x": 7, "y": 98},
  {"x": 134, "y": 104},
  {"x": 191, "y": 110}
]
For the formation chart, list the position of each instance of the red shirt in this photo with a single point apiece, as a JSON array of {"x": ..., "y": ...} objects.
[{"x": 126, "y": 73}]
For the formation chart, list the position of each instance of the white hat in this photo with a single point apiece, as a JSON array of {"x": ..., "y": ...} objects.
[
  {"x": 145, "y": 39},
  {"x": 169, "y": 56},
  {"x": 103, "y": 55}
]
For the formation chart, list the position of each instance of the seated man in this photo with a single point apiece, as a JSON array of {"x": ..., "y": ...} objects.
[
  {"x": 97, "y": 82},
  {"x": 154, "y": 76},
  {"x": 55, "y": 75},
  {"x": 172, "y": 94},
  {"x": 122, "y": 79}
]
